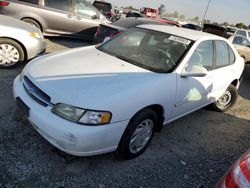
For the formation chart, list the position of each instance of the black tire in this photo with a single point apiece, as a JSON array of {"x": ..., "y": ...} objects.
[
  {"x": 231, "y": 100},
  {"x": 33, "y": 23},
  {"x": 123, "y": 151},
  {"x": 16, "y": 46}
]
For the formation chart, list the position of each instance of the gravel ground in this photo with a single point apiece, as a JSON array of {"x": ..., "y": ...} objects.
[{"x": 194, "y": 151}]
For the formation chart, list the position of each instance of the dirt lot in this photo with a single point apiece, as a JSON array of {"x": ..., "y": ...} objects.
[{"x": 194, "y": 151}]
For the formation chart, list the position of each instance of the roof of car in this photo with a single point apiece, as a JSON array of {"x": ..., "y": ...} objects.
[{"x": 185, "y": 33}]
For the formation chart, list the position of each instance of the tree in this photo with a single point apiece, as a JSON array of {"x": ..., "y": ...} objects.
[
  {"x": 182, "y": 17},
  {"x": 248, "y": 27},
  {"x": 241, "y": 25},
  {"x": 162, "y": 9},
  {"x": 225, "y": 24},
  {"x": 196, "y": 18},
  {"x": 175, "y": 14}
]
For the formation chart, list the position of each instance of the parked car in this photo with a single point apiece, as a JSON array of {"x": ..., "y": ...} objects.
[
  {"x": 243, "y": 32},
  {"x": 18, "y": 42},
  {"x": 71, "y": 18},
  {"x": 104, "y": 7},
  {"x": 135, "y": 14},
  {"x": 242, "y": 45},
  {"x": 192, "y": 26},
  {"x": 231, "y": 30},
  {"x": 150, "y": 12},
  {"x": 111, "y": 30},
  {"x": 215, "y": 29},
  {"x": 170, "y": 22},
  {"x": 113, "y": 97},
  {"x": 238, "y": 175}
]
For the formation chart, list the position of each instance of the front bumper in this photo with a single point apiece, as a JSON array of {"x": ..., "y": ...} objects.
[
  {"x": 35, "y": 47},
  {"x": 72, "y": 138}
]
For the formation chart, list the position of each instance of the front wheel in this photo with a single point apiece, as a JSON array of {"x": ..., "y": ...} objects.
[
  {"x": 227, "y": 100},
  {"x": 10, "y": 53},
  {"x": 137, "y": 135}
]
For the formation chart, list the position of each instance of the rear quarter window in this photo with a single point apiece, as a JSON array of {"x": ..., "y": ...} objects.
[
  {"x": 222, "y": 54},
  {"x": 231, "y": 55}
]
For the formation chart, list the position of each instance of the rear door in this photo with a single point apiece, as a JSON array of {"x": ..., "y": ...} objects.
[
  {"x": 224, "y": 72},
  {"x": 58, "y": 16},
  {"x": 87, "y": 19}
]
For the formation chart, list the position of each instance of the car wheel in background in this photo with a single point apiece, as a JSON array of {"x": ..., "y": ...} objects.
[
  {"x": 33, "y": 23},
  {"x": 228, "y": 99},
  {"x": 10, "y": 53},
  {"x": 137, "y": 135}
]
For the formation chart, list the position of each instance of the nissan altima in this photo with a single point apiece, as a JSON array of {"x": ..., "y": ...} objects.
[{"x": 115, "y": 96}]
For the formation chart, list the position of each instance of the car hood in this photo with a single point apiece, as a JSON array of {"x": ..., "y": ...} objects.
[{"x": 84, "y": 77}]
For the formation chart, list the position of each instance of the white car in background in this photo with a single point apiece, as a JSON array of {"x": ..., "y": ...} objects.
[
  {"x": 99, "y": 99},
  {"x": 19, "y": 41},
  {"x": 243, "y": 32},
  {"x": 242, "y": 45}
]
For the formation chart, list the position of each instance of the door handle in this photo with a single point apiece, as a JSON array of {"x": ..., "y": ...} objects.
[{"x": 69, "y": 16}]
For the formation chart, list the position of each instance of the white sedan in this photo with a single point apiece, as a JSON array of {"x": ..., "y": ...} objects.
[
  {"x": 19, "y": 41},
  {"x": 114, "y": 96}
]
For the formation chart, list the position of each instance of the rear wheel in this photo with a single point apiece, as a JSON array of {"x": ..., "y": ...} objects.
[
  {"x": 10, "y": 53},
  {"x": 227, "y": 100},
  {"x": 33, "y": 23},
  {"x": 137, "y": 135}
]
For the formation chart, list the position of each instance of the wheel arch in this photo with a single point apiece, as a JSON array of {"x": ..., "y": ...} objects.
[
  {"x": 159, "y": 110},
  {"x": 36, "y": 20},
  {"x": 23, "y": 47},
  {"x": 236, "y": 83}
]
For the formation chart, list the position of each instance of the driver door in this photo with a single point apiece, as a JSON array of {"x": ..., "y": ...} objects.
[{"x": 195, "y": 92}]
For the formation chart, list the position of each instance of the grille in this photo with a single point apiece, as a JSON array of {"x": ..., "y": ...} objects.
[{"x": 35, "y": 93}]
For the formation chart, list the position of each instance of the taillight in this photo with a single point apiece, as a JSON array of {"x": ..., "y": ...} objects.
[{"x": 4, "y": 3}]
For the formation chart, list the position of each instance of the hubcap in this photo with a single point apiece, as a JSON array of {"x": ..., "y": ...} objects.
[
  {"x": 224, "y": 101},
  {"x": 141, "y": 136},
  {"x": 9, "y": 55}
]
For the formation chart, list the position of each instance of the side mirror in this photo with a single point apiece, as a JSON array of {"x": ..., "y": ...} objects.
[{"x": 194, "y": 71}]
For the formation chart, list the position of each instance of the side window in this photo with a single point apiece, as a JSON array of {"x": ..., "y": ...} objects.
[
  {"x": 231, "y": 55},
  {"x": 62, "y": 5},
  {"x": 203, "y": 55},
  {"x": 242, "y": 33},
  {"x": 222, "y": 53},
  {"x": 84, "y": 9},
  {"x": 237, "y": 40},
  {"x": 30, "y": 1}
]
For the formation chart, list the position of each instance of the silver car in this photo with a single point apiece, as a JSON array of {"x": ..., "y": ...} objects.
[
  {"x": 71, "y": 18},
  {"x": 18, "y": 41}
]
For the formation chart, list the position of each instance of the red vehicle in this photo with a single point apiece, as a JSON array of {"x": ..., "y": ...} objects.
[
  {"x": 170, "y": 22},
  {"x": 150, "y": 12},
  {"x": 238, "y": 176}
]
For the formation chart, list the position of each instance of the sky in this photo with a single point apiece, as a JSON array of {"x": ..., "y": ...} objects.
[{"x": 232, "y": 11}]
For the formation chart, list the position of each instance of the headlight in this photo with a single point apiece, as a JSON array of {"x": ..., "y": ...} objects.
[
  {"x": 35, "y": 35},
  {"x": 78, "y": 115}
]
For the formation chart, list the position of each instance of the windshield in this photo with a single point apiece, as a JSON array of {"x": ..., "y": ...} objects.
[{"x": 151, "y": 50}]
